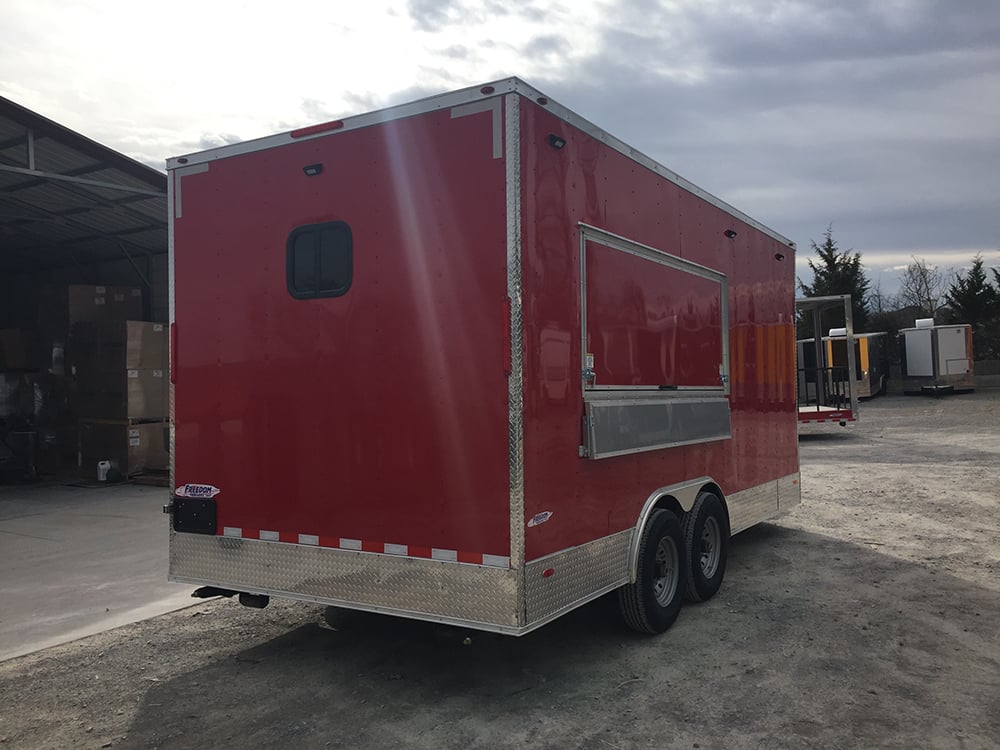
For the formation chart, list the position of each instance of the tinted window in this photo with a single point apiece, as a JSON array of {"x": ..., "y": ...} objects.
[{"x": 320, "y": 260}]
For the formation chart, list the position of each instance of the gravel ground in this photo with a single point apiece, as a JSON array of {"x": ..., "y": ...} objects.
[{"x": 868, "y": 617}]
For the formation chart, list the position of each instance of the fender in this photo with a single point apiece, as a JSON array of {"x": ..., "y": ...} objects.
[{"x": 685, "y": 493}]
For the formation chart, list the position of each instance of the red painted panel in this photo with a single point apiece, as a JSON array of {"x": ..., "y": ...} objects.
[
  {"x": 641, "y": 317},
  {"x": 589, "y": 182},
  {"x": 380, "y": 415}
]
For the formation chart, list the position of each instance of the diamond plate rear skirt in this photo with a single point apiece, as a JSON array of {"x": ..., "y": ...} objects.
[
  {"x": 479, "y": 596},
  {"x": 484, "y": 597},
  {"x": 575, "y": 576}
]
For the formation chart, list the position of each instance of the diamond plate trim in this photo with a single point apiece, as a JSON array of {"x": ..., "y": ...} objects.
[
  {"x": 748, "y": 507},
  {"x": 789, "y": 492},
  {"x": 578, "y": 575},
  {"x": 515, "y": 392},
  {"x": 483, "y": 597},
  {"x": 171, "y": 475}
]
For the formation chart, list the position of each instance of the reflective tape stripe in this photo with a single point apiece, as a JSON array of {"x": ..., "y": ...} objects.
[{"x": 364, "y": 545}]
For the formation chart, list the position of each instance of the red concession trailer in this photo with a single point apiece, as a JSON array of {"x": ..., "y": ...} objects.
[{"x": 472, "y": 360}]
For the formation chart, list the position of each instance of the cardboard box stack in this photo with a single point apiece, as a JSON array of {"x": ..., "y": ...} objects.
[
  {"x": 120, "y": 370},
  {"x": 88, "y": 384},
  {"x": 90, "y": 304},
  {"x": 61, "y": 308}
]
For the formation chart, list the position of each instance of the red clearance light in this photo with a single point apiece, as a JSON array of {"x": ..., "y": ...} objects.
[
  {"x": 487, "y": 90},
  {"x": 543, "y": 101},
  {"x": 548, "y": 572},
  {"x": 321, "y": 128}
]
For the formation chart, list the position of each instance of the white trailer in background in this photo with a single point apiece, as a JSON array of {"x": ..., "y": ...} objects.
[
  {"x": 825, "y": 392},
  {"x": 937, "y": 358}
]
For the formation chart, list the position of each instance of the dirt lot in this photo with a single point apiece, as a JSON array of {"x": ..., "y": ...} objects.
[{"x": 869, "y": 617}]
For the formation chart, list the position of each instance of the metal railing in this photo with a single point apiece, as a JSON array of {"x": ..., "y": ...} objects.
[{"x": 823, "y": 387}]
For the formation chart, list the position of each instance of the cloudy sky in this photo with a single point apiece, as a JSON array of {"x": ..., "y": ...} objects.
[{"x": 880, "y": 117}]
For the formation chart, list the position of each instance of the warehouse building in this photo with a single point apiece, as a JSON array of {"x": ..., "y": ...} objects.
[{"x": 83, "y": 305}]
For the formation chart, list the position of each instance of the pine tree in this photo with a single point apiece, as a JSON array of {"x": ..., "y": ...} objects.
[
  {"x": 972, "y": 299},
  {"x": 839, "y": 272}
]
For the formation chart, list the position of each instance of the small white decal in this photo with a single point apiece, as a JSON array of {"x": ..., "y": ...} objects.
[
  {"x": 540, "y": 518},
  {"x": 197, "y": 490},
  {"x": 590, "y": 361}
]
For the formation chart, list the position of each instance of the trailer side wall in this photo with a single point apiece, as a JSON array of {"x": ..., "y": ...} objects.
[{"x": 588, "y": 182}]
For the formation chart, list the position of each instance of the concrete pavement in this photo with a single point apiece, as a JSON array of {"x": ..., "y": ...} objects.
[{"x": 76, "y": 561}]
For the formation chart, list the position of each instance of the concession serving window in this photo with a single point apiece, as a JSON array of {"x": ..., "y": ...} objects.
[{"x": 655, "y": 343}]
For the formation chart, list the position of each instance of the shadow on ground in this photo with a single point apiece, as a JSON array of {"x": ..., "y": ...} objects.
[
  {"x": 840, "y": 436},
  {"x": 811, "y": 642}
]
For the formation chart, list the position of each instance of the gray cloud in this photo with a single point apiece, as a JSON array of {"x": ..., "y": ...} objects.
[
  {"x": 315, "y": 110},
  {"x": 807, "y": 31},
  {"x": 545, "y": 45},
  {"x": 456, "y": 52},
  {"x": 434, "y": 15},
  {"x": 878, "y": 117},
  {"x": 360, "y": 102},
  {"x": 213, "y": 140}
]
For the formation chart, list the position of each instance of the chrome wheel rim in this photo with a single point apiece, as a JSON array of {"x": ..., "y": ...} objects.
[
  {"x": 711, "y": 546},
  {"x": 665, "y": 571}
]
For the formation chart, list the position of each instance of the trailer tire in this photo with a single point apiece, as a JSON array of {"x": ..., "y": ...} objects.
[
  {"x": 652, "y": 603},
  {"x": 706, "y": 547}
]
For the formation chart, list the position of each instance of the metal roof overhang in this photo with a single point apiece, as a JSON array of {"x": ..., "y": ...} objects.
[{"x": 66, "y": 200}]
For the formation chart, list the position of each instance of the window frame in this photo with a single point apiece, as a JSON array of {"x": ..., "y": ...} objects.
[
  {"x": 606, "y": 239},
  {"x": 317, "y": 229}
]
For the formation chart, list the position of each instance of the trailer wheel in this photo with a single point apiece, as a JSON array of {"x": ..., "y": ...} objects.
[
  {"x": 706, "y": 545},
  {"x": 652, "y": 603}
]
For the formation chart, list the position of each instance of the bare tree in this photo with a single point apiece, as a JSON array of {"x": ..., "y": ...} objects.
[
  {"x": 879, "y": 302},
  {"x": 922, "y": 286}
]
